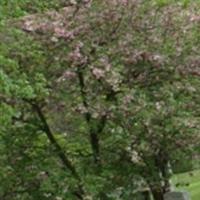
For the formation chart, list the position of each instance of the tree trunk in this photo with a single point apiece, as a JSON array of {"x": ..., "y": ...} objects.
[{"x": 157, "y": 193}]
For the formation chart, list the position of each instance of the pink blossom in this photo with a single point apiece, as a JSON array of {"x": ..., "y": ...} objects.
[
  {"x": 67, "y": 75},
  {"x": 124, "y": 2},
  {"x": 98, "y": 73},
  {"x": 105, "y": 62},
  {"x": 127, "y": 99},
  {"x": 62, "y": 33},
  {"x": 59, "y": 31},
  {"x": 28, "y": 25},
  {"x": 195, "y": 18}
]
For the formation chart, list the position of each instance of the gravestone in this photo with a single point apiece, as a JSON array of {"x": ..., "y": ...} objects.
[{"x": 177, "y": 196}]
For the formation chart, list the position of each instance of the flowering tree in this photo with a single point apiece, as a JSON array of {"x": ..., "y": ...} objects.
[{"x": 106, "y": 87}]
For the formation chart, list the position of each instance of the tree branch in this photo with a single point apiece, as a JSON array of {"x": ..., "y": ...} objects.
[
  {"x": 58, "y": 149},
  {"x": 94, "y": 139}
]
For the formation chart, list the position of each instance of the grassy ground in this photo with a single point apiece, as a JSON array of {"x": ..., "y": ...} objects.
[{"x": 189, "y": 182}]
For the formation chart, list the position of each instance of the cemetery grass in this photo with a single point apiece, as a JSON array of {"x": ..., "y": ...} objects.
[{"x": 189, "y": 182}]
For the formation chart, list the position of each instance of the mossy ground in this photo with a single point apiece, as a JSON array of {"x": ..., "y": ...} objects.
[{"x": 189, "y": 182}]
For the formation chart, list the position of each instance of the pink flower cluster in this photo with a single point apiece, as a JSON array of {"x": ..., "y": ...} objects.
[
  {"x": 76, "y": 57},
  {"x": 62, "y": 33}
]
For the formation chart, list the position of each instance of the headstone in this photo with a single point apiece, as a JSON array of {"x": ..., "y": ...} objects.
[{"x": 177, "y": 196}]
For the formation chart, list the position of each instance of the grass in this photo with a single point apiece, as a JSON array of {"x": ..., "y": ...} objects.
[{"x": 189, "y": 182}]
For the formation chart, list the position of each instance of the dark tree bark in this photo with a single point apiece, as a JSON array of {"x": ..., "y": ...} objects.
[
  {"x": 94, "y": 138},
  {"x": 80, "y": 193},
  {"x": 157, "y": 193}
]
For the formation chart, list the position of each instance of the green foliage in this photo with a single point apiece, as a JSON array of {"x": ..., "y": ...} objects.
[
  {"x": 96, "y": 99},
  {"x": 15, "y": 9}
]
